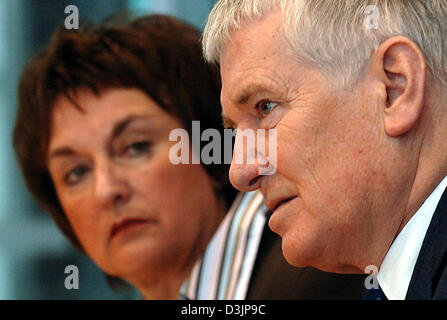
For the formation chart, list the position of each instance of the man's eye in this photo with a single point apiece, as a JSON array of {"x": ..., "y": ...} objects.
[
  {"x": 75, "y": 175},
  {"x": 138, "y": 148},
  {"x": 265, "y": 107}
]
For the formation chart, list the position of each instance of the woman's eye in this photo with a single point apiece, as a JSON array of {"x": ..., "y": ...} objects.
[
  {"x": 265, "y": 107},
  {"x": 138, "y": 148},
  {"x": 75, "y": 175}
]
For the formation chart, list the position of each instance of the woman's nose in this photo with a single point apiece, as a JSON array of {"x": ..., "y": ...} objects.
[{"x": 111, "y": 185}]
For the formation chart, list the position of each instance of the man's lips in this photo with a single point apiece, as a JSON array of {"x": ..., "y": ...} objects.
[
  {"x": 126, "y": 223},
  {"x": 280, "y": 209},
  {"x": 274, "y": 204}
]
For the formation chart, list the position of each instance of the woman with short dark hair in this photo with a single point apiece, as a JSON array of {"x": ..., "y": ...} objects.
[{"x": 92, "y": 137}]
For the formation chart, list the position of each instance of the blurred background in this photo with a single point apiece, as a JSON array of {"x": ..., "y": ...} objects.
[{"x": 33, "y": 253}]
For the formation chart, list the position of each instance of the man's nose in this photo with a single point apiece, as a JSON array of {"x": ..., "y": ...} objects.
[
  {"x": 244, "y": 177},
  {"x": 245, "y": 167},
  {"x": 111, "y": 186}
]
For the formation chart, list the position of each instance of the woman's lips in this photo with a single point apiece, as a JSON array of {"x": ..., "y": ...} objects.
[{"x": 125, "y": 225}]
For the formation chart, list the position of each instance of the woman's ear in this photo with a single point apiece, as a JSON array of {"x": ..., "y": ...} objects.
[{"x": 404, "y": 67}]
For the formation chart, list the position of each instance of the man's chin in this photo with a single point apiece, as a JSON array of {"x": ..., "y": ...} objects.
[
  {"x": 307, "y": 258},
  {"x": 295, "y": 256}
]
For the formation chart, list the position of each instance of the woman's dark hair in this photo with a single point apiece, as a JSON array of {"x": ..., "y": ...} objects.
[{"x": 157, "y": 54}]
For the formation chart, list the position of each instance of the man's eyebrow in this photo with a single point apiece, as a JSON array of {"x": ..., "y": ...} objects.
[
  {"x": 245, "y": 93},
  {"x": 227, "y": 122}
]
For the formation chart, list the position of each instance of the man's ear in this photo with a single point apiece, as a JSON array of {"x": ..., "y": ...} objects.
[{"x": 404, "y": 69}]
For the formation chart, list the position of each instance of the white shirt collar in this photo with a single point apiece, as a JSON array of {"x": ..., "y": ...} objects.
[{"x": 397, "y": 268}]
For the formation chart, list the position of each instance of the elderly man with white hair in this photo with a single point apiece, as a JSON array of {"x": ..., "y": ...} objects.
[{"x": 355, "y": 91}]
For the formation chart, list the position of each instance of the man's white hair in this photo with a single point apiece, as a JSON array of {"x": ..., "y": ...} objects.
[{"x": 333, "y": 35}]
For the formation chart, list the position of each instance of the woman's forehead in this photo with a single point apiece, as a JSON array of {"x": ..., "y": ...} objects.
[{"x": 104, "y": 115}]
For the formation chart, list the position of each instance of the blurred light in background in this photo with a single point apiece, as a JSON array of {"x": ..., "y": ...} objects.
[
  {"x": 33, "y": 252},
  {"x": 192, "y": 11},
  {"x": 147, "y": 6}
]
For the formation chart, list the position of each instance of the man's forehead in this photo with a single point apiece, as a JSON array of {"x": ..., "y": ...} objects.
[
  {"x": 248, "y": 62},
  {"x": 251, "y": 35},
  {"x": 247, "y": 51}
]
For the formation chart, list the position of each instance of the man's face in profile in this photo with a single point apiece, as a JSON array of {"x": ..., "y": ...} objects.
[{"x": 331, "y": 184}]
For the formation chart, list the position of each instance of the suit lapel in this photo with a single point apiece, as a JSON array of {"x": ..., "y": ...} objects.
[{"x": 429, "y": 279}]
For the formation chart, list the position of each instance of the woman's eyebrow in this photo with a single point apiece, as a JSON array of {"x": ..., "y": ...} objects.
[
  {"x": 117, "y": 130},
  {"x": 61, "y": 152},
  {"x": 122, "y": 125}
]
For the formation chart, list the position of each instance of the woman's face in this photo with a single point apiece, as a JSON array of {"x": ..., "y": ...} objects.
[{"x": 132, "y": 210}]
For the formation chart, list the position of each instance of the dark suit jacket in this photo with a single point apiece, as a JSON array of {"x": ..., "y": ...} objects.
[
  {"x": 273, "y": 278},
  {"x": 429, "y": 279}
]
